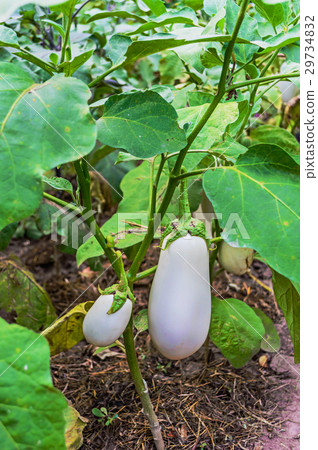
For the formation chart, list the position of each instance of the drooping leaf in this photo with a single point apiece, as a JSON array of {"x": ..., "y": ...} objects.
[
  {"x": 142, "y": 123},
  {"x": 67, "y": 331},
  {"x": 31, "y": 409},
  {"x": 42, "y": 126},
  {"x": 6, "y": 234},
  {"x": 287, "y": 297},
  {"x": 141, "y": 320},
  {"x": 260, "y": 195},
  {"x": 271, "y": 339},
  {"x": 236, "y": 330},
  {"x": 22, "y": 296},
  {"x": 8, "y": 37},
  {"x": 210, "y": 58},
  {"x": 75, "y": 424}
]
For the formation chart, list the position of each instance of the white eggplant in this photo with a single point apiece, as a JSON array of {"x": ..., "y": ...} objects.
[
  {"x": 103, "y": 329},
  {"x": 180, "y": 298},
  {"x": 288, "y": 89},
  {"x": 235, "y": 259}
]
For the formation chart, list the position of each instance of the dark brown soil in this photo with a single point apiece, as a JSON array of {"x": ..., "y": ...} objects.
[{"x": 200, "y": 405}]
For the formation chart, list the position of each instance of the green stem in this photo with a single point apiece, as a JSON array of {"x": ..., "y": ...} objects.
[
  {"x": 267, "y": 89},
  {"x": 173, "y": 180},
  {"x": 67, "y": 32},
  {"x": 254, "y": 92},
  {"x": 103, "y": 75},
  {"x": 141, "y": 386},
  {"x": 145, "y": 273},
  {"x": 60, "y": 202},
  {"x": 193, "y": 173},
  {"x": 84, "y": 184},
  {"x": 262, "y": 80},
  {"x": 184, "y": 207}
]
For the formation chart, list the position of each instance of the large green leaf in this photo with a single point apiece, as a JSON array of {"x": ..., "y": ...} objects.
[
  {"x": 211, "y": 7},
  {"x": 42, "y": 126},
  {"x": 117, "y": 14},
  {"x": 142, "y": 123},
  {"x": 287, "y": 297},
  {"x": 22, "y": 296},
  {"x": 156, "y": 6},
  {"x": 236, "y": 330},
  {"x": 8, "y": 37},
  {"x": 274, "y": 11},
  {"x": 269, "y": 134},
  {"x": 31, "y": 409},
  {"x": 224, "y": 114},
  {"x": 262, "y": 189}
]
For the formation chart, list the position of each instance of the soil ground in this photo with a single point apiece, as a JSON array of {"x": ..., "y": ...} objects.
[{"x": 200, "y": 404}]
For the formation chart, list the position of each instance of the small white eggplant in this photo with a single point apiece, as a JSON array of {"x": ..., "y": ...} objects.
[
  {"x": 180, "y": 298},
  {"x": 103, "y": 329},
  {"x": 235, "y": 259},
  {"x": 288, "y": 89}
]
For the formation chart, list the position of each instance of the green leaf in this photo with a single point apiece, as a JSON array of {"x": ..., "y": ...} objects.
[
  {"x": 269, "y": 134},
  {"x": 210, "y": 58},
  {"x": 287, "y": 297},
  {"x": 171, "y": 68},
  {"x": 163, "y": 41},
  {"x": 184, "y": 15},
  {"x": 35, "y": 60},
  {"x": 271, "y": 339},
  {"x": 6, "y": 234},
  {"x": 262, "y": 189},
  {"x": 236, "y": 330},
  {"x": 70, "y": 67},
  {"x": 67, "y": 331},
  {"x": 282, "y": 39},
  {"x": 56, "y": 26},
  {"x": 117, "y": 48},
  {"x": 22, "y": 296},
  {"x": 142, "y": 123},
  {"x": 211, "y": 7},
  {"x": 58, "y": 183},
  {"x": 274, "y": 11},
  {"x": 118, "y": 14},
  {"x": 156, "y": 6},
  {"x": 224, "y": 114},
  {"x": 141, "y": 320},
  {"x": 31, "y": 409},
  {"x": 8, "y": 37},
  {"x": 62, "y": 130}
]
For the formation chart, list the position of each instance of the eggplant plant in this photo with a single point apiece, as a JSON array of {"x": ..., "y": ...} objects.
[{"x": 177, "y": 95}]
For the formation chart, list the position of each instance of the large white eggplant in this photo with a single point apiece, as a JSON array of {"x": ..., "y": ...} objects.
[
  {"x": 180, "y": 298},
  {"x": 103, "y": 329}
]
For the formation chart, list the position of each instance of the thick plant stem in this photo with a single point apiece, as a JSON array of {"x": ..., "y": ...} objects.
[
  {"x": 254, "y": 92},
  {"x": 141, "y": 387}
]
